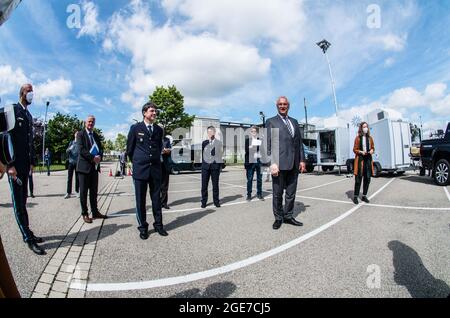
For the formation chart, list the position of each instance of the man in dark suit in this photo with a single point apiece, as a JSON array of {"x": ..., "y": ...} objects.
[
  {"x": 19, "y": 169},
  {"x": 253, "y": 151},
  {"x": 88, "y": 167},
  {"x": 144, "y": 148},
  {"x": 166, "y": 168},
  {"x": 212, "y": 150},
  {"x": 72, "y": 156},
  {"x": 287, "y": 156}
]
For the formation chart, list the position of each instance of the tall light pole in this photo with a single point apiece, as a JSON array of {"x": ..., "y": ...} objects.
[
  {"x": 325, "y": 45},
  {"x": 306, "y": 118},
  {"x": 43, "y": 141}
]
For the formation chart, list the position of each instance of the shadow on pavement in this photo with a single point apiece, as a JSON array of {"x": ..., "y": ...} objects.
[
  {"x": 53, "y": 242},
  {"x": 411, "y": 273},
  {"x": 185, "y": 220},
  {"x": 216, "y": 290},
  {"x": 299, "y": 208}
]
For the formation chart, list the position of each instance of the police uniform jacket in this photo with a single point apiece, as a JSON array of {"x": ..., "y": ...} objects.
[{"x": 144, "y": 149}]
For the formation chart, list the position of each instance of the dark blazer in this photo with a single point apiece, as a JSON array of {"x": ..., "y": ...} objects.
[
  {"x": 22, "y": 140},
  {"x": 85, "y": 160},
  {"x": 212, "y": 156},
  {"x": 249, "y": 162},
  {"x": 167, "y": 159},
  {"x": 144, "y": 150},
  {"x": 291, "y": 151}
]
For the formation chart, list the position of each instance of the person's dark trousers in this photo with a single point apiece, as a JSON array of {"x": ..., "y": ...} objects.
[
  {"x": 31, "y": 184},
  {"x": 212, "y": 174},
  {"x": 165, "y": 186},
  {"x": 71, "y": 171},
  {"x": 48, "y": 168},
  {"x": 88, "y": 182},
  {"x": 251, "y": 169},
  {"x": 122, "y": 168},
  {"x": 140, "y": 188},
  {"x": 286, "y": 180},
  {"x": 19, "y": 195},
  {"x": 365, "y": 176}
]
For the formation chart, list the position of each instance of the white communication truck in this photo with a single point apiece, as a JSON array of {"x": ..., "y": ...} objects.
[{"x": 392, "y": 143}]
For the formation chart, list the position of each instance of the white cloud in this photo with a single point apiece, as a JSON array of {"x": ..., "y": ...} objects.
[
  {"x": 112, "y": 133},
  {"x": 91, "y": 26},
  {"x": 11, "y": 80},
  {"x": 406, "y": 98},
  {"x": 60, "y": 88},
  {"x": 280, "y": 23},
  {"x": 200, "y": 65},
  {"x": 389, "y": 62},
  {"x": 391, "y": 42}
]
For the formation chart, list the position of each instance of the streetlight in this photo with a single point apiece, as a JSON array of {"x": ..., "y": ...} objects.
[
  {"x": 325, "y": 45},
  {"x": 263, "y": 118},
  {"x": 43, "y": 142}
]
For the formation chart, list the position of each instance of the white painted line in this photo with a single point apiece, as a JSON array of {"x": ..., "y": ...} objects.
[
  {"x": 323, "y": 185},
  {"x": 446, "y": 192},
  {"x": 220, "y": 270},
  {"x": 408, "y": 207},
  {"x": 326, "y": 200}
]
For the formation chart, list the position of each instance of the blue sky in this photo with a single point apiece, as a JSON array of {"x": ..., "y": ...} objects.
[{"x": 231, "y": 59}]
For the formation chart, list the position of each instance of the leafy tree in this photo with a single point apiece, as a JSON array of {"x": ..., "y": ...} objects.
[
  {"x": 121, "y": 143},
  {"x": 170, "y": 104},
  {"x": 108, "y": 146}
]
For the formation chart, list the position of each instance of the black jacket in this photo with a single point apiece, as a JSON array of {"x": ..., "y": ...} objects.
[
  {"x": 249, "y": 153},
  {"x": 144, "y": 150},
  {"x": 85, "y": 159},
  {"x": 212, "y": 155},
  {"x": 22, "y": 140},
  {"x": 282, "y": 149}
]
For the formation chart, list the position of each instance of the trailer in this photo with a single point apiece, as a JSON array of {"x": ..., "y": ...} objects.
[{"x": 392, "y": 144}]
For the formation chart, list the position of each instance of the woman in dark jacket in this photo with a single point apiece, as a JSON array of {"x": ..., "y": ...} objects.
[{"x": 363, "y": 170}]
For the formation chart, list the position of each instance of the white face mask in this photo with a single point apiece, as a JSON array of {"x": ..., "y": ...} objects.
[
  {"x": 365, "y": 130},
  {"x": 29, "y": 97}
]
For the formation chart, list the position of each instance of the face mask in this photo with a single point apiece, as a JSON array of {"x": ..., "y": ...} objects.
[
  {"x": 29, "y": 97},
  {"x": 365, "y": 130}
]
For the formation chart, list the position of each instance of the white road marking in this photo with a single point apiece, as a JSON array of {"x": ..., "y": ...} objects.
[
  {"x": 446, "y": 192},
  {"x": 407, "y": 207},
  {"x": 220, "y": 270}
]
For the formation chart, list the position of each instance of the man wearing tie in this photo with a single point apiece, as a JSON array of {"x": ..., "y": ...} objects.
[
  {"x": 211, "y": 166},
  {"x": 19, "y": 169},
  {"x": 88, "y": 168},
  {"x": 253, "y": 150},
  {"x": 285, "y": 149},
  {"x": 144, "y": 148}
]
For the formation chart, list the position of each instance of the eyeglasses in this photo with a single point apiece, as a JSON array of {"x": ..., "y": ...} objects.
[{"x": 283, "y": 104}]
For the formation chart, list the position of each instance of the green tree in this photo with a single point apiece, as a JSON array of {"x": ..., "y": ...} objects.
[
  {"x": 59, "y": 134},
  {"x": 108, "y": 146},
  {"x": 121, "y": 142},
  {"x": 170, "y": 104}
]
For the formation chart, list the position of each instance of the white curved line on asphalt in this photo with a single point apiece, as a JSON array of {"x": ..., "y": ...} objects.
[
  {"x": 446, "y": 192},
  {"x": 220, "y": 270}
]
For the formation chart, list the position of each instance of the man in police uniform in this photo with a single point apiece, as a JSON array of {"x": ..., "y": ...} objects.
[
  {"x": 144, "y": 148},
  {"x": 19, "y": 169}
]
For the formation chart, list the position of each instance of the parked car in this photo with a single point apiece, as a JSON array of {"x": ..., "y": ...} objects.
[
  {"x": 435, "y": 156},
  {"x": 311, "y": 158}
]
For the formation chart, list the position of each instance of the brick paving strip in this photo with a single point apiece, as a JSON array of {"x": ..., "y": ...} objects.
[{"x": 73, "y": 258}]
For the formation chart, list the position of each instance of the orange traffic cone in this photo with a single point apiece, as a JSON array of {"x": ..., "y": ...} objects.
[{"x": 110, "y": 173}]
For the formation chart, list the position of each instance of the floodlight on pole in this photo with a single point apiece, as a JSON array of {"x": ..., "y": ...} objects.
[
  {"x": 325, "y": 45},
  {"x": 263, "y": 118}
]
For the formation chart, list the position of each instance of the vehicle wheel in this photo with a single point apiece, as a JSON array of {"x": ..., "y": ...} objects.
[
  {"x": 422, "y": 172},
  {"x": 376, "y": 169},
  {"x": 441, "y": 172},
  {"x": 174, "y": 171},
  {"x": 309, "y": 168},
  {"x": 400, "y": 173},
  {"x": 350, "y": 164},
  {"x": 324, "y": 168}
]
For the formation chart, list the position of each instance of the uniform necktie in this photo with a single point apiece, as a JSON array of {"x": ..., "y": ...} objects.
[{"x": 150, "y": 129}]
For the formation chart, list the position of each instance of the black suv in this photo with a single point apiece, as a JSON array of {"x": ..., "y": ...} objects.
[{"x": 435, "y": 157}]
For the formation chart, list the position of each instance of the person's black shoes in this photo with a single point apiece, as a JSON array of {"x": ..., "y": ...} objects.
[
  {"x": 98, "y": 215},
  {"x": 364, "y": 198},
  {"x": 165, "y": 206},
  {"x": 162, "y": 232},
  {"x": 249, "y": 198},
  {"x": 277, "y": 224},
  {"x": 293, "y": 222},
  {"x": 355, "y": 200},
  {"x": 38, "y": 239},
  {"x": 260, "y": 197},
  {"x": 143, "y": 235},
  {"x": 217, "y": 205},
  {"x": 32, "y": 245},
  {"x": 203, "y": 206}
]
